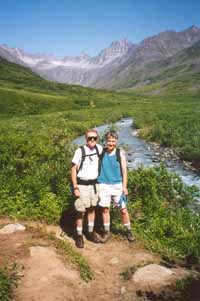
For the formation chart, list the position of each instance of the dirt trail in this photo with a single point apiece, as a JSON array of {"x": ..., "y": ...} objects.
[
  {"x": 46, "y": 277},
  {"x": 108, "y": 261}
]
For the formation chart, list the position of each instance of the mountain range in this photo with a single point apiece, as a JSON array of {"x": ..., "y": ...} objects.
[{"x": 121, "y": 65}]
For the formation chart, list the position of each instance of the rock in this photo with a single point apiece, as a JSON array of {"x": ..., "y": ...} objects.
[
  {"x": 156, "y": 282},
  {"x": 114, "y": 260},
  {"x": 123, "y": 290},
  {"x": 152, "y": 275},
  {"x": 11, "y": 228},
  {"x": 44, "y": 279},
  {"x": 99, "y": 272},
  {"x": 135, "y": 133},
  {"x": 155, "y": 160}
]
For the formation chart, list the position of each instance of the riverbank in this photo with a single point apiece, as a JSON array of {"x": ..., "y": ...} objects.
[{"x": 168, "y": 155}]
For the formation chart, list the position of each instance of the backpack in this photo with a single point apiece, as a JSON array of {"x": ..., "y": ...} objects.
[
  {"x": 117, "y": 155},
  {"x": 84, "y": 155}
]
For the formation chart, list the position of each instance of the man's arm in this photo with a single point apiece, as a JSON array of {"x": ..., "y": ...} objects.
[
  {"x": 124, "y": 172},
  {"x": 74, "y": 180},
  {"x": 74, "y": 171}
]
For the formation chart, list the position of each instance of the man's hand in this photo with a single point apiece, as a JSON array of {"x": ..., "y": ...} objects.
[{"x": 77, "y": 192}]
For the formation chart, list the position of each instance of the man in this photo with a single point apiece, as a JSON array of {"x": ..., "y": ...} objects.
[
  {"x": 84, "y": 173},
  {"x": 113, "y": 184}
]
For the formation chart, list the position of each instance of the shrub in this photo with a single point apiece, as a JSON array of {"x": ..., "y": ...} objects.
[
  {"x": 8, "y": 279},
  {"x": 161, "y": 210}
]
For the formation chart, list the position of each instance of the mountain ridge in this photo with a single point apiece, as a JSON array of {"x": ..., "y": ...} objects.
[{"x": 112, "y": 66}]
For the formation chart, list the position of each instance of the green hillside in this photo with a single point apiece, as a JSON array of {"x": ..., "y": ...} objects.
[
  {"x": 16, "y": 75},
  {"x": 23, "y": 92}
]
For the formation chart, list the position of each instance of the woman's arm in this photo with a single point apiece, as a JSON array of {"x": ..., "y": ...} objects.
[{"x": 124, "y": 172}]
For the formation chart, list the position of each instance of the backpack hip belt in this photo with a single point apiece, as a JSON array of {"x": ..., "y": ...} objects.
[{"x": 88, "y": 182}]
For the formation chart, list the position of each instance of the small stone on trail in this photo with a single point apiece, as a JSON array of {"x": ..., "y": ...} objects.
[
  {"x": 11, "y": 228},
  {"x": 114, "y": 260},
  {"x": 44, "y": 279},
  {"x": 99, "y": 272},
  {"x": 123, "y": 290}
]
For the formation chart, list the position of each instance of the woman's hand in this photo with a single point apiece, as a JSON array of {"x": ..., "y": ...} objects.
[{"x": 125, "y": 190}]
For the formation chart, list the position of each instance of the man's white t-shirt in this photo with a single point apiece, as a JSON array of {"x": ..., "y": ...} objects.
[{"x": 89, "y": 170}]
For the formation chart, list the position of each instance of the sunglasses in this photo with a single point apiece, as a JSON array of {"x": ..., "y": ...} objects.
[{"x": 92, "y": 138}]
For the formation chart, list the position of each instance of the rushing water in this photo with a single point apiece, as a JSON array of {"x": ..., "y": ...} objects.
[{"x": 139, "y": 152}]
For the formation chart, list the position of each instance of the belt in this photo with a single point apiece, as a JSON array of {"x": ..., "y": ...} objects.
[{"x": 88, "y": 182}]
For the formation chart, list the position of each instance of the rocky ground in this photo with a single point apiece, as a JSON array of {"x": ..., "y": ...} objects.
[
  {"x": 169, "y": 155},
  {"x": 122, "y": 270}
]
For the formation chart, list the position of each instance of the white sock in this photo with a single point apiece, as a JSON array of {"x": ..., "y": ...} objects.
[
  {"x": 79, "y": 230},
  {"x": 90, "y": 227},
  {"x": 107, "y": 227},
  {"x": 128, "y": 226}
]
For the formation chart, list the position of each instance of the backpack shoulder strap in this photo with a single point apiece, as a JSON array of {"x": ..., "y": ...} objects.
[
  {"x": 101, "y": 158},
  {"x": 118, "y": 155},
  {"x": 103, "y": 153},
  {"x": 82, "y": 148},
  {"x": 83, "y": 155},
  {"x": 97, "y": 151}
]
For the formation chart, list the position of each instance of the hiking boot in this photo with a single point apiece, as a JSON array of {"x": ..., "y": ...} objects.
[
  {"x": 79, "y": 241},
  {"x": 130, "y": 236},
  {"x": 105, "y": 237},
  {"x": 93, "y": 236}
]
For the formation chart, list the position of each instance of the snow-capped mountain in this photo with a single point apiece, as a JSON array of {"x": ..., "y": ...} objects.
[
  {"x": 117, "y": 49},
  {"x": 115, "y": 64}
]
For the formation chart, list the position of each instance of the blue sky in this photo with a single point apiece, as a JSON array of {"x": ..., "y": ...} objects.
[{"x": 63, "y": 27}]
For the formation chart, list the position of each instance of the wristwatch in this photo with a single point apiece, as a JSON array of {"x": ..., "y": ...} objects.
[{"x": 76, "y": 188}]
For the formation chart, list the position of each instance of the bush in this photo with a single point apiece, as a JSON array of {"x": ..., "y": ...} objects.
[
  {"x": 8, "y": 279},
  {"x": 161, "y": 210}
]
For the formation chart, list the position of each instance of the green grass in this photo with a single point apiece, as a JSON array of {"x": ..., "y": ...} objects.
[
  {"x": 76, "y": 258},
  {"x": 8, "y": 280}
]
